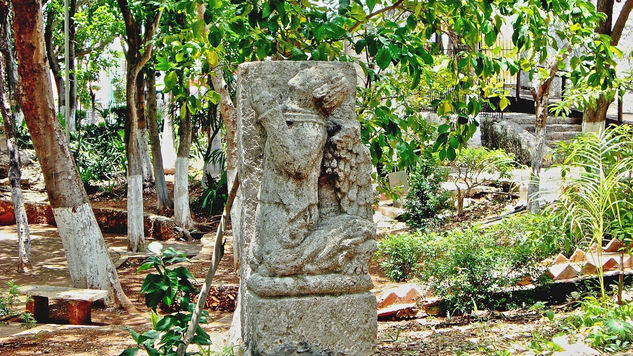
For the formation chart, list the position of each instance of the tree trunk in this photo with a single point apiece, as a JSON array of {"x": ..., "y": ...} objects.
[
  {"x": 594, "y": 119},
  {"x": 89, "y": 263},
  {"x": 72, "y": 80},
  {"x": 162, "y": 193},
  {"x": 541, "y": 106},
  {"x": 53, "y": 61},
  {"x": 24, "y": 238},
  {"x": 229, "y": 118},
  {"x": 135, "y": 234},
  {"x": 182, "y": 214},
  {"x": 168, "y": 149},
  {"x": 148, "y": 175}
]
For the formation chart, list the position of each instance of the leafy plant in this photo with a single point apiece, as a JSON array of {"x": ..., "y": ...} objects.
[
  {"x": 167, "y": 286},
  {"x": 401, "y": 255},
  {"x": 426, "y": 198},
  {"x": 213, "y": 197},
  {"x": 608, "y": 326},
  {"x": 466, "y": 267},
  {"x": 593, "y": 200},
  {"x": 8, "y": 300},
  {"x": 170, "y": 287},
  {"x": 472, "y": 163}
]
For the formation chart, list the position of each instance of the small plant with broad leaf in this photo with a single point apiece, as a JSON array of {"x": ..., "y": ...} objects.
[{"x": 170, "y": 289}]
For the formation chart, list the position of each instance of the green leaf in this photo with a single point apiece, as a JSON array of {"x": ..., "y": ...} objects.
[
  {"x": 198, "y": 28},
  {"x": 371, "y": 4},
  {"x": 215, "y": 36},
  {"x": 171, "y": 79},
  {"x": 129, "y": 352},
  {"x": 383, "y": 58}
]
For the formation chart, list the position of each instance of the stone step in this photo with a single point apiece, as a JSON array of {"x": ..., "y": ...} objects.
[
  {"x": 527, "y": 119},
  {"x": 561, "y": 136},
  {"x": 556, "y": 128}
]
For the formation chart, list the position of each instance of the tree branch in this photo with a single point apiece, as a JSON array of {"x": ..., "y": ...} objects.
[
  {"x": 618, "y": 28},
  {"x": 147, "y": 38},
  {"x": 376, "y": 13}
]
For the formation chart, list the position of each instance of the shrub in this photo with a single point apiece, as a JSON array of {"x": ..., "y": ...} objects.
[
  {"x": 426, "y": 198},
  {"x": 401, "y": 255},
  {"x": 467, "y": 266},
  {"x": 173, "y": 288},
  {"x": 607, "y": 326},
  {"x": 472, "y": 163}
]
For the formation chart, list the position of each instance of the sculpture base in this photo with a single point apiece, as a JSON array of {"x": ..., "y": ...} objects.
[{"x": 311, "y": 325}]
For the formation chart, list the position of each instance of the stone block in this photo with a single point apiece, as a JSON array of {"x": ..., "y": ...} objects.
[
  {"x": 578, "y": 256},
  {"x": 405, "y": 294},
  {"x": 614, "y": 246},
  {"x": 344, "y": 324},
  {"x": 560, "y": 258},
  {"x": 563, "y": 271}
]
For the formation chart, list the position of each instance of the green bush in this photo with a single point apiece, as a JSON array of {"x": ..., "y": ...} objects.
[
  {"x": 426, "y": 198},
  {"x": 467, "y": 266},
  {"x": 400, "y": 256},
  {"x": 608, "y": 326}
]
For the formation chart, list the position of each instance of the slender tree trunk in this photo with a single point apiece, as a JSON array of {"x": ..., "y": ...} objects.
[
  {"x": 162, "y": 193},
  {"x": 541, "y": 105},
  {"x": 53, "y": 61},
  {"x": 229, "y": 119},
  {"x": 594, "y": 119},
  {"x": 148, "y": 174},
  {"x": 135, "y": 233},
  {"x": 24, "y": 238},
  {"x": 168, "y": 148},
  {"x": 182, "y": 213},
  {"x": 89, "y": 263},
  {"x": 72, "y": 80}
]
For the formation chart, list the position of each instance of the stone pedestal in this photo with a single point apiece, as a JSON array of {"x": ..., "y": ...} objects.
[{"x": 344, "y": 324}]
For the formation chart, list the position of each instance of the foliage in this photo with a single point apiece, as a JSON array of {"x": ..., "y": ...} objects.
[
  {"x": 607, "y": 326},
  {"x": 471, "y": 166},
  {"x": 400, "y": 256},
  {"x": 7, "y": 302},
  {"x": 213, "y": 197},
  {"x": 167, "y": 286},
  {"x": 592, "y": 200},
  {"x": 426, "y": 197},
  {"x": 99, "y": 151},
  {"x": 173, "y": 288},
  {"x": 467, "y": 266}
]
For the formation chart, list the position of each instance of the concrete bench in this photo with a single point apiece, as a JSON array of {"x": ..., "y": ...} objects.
[{"x": 79, "y": 301}]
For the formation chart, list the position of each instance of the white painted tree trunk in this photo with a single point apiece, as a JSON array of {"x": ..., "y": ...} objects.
[
  {"x": 168, "y": 147},
  {"x": 148, "y": 170},
  {"x": 182, "y": 214},
  {"x": 135, "y": 233},
  {"x": 88, "y": 259}
]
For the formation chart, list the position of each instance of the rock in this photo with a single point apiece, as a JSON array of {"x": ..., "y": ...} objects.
[
  {"x": 614, "y": 246},
  {"x": 398, "y": 311},
  {"x": 563, "y": 271},
  {"x": 560, "y": 258},
  {"x": 578, "y": 256},
  {"x": 404, "y": 294},
  {"x": 302, "y": 219},
  {"x": 576, "y": 349}
]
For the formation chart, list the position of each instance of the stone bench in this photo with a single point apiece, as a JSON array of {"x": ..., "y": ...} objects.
[{"x": 79, "y": 301}]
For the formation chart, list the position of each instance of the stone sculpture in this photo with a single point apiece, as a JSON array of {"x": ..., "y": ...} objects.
[{"x": 303, "y": 219}]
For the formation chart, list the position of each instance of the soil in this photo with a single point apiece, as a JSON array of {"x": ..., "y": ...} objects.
[{"x": 108, "y": 335}]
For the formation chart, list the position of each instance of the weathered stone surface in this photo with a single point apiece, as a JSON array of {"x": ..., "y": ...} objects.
[
  {"x": 302, "y": 219},
  {"x": 331, "y": 325},
  {"x": 398, "y": 311},
  {"x": 404, "y": 294}
]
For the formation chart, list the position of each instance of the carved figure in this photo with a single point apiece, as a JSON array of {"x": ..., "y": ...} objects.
[{"x": 302, "y": 228}]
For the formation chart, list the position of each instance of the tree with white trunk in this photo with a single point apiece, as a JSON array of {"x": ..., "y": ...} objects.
[
  {"x": 138, "y": 37},
  {"x": 24, "y": 238},
  {"x": 89, "y": 263}
]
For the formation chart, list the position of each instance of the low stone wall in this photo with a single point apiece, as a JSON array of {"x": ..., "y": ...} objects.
[
  {"x": 511, "y": 137},
  {"x": 109, "y": 220}
]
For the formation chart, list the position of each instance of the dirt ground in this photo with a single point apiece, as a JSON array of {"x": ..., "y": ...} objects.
[{"x": 108, "y": 335}]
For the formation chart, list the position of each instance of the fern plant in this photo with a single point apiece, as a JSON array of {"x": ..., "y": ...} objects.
[{"x": 595, "y": 196}]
